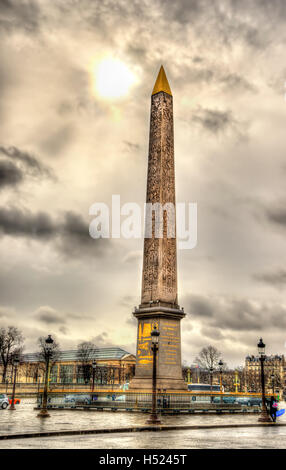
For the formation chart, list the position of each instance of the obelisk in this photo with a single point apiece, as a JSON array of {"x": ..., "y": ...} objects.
[{"x": 159, "y": 299}]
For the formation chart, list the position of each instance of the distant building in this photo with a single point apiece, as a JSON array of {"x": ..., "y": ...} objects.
[
  {"x": 113, "y": 366},
  {"x": 274, "y": 371}
]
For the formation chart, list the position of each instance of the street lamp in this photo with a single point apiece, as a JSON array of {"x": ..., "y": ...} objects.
[
  {"x": 49, "y": 344},
  {"x": 15, "y": 364},
  {"x": 93, "y": 373},
  {"x": 211, "y": 381},
  {"x": 220, "y": 365},
  {"x": 264, "y": 418},
  {"x": 155, "y": 340},
  {"x": 272, "y": 379}
]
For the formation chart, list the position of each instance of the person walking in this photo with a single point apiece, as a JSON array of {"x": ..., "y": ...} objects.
[{"x": 273, "y": 408}]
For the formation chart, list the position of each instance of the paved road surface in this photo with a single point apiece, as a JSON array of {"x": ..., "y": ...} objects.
[{"x": 24, "y": 419}]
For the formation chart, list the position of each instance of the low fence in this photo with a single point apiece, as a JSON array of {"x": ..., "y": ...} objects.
[{"x": 171, "y": 402}]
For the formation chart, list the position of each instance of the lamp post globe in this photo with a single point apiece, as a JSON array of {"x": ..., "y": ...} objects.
[
  {"x": 261, "y": 348},
  {"x": 264, "y": 417},
  {"x": 49, "y": 341},
  {"x": 48, "y": 349},
  {"x": 155, "y": 333}
]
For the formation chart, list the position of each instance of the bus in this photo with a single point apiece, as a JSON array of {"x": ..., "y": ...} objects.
[
  {"x": 203, "y": 397},
  {"x": 204, "y": 388}
]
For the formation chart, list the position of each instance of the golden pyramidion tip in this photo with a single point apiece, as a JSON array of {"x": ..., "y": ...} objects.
[{"x": 162, "y": 83}]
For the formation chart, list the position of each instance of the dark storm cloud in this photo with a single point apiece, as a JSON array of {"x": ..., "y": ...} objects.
[
  {"x": 226, "y": 21},
  {"x": 195, "y": 74},
  {"x": 74, "y": 237},
  {"x": 212, "y": 333},
  {"x": 49, "y": 316},
  {"x": 263, "y": 8},
  {"x": 10, "y": 174},
  {"x": 184, "y": 11},
  {"x": 235, "y": 81},
  {"x": 70, "y": 232},
  {"x": 215, "y": 121},
  {"x": 200, "y": 306},
  {"x": 19, "y": 15},
  {"x": 200, "y": 70},
  {"x": 29, "y": 164},
  {"x": 101, "y": 340},
  {"x": 234, "y": 314},
  {"x": 275, "y": 279},
  {"x": 277, "y": 215},
  {"x": 253, "y": 30},
  {"x": 20, "y": 223}
]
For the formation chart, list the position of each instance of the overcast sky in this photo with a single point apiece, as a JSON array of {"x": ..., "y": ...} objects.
[{"x": 64, "y": 145}]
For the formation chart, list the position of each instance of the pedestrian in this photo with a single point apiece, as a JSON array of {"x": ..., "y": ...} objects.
[{"x": 273, "y": 408}]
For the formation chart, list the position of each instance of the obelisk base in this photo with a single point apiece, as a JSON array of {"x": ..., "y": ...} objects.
[{"x": 169, "y": 366}]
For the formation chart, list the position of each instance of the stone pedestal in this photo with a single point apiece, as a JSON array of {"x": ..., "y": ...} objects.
[{"x": 169, "y": 369}]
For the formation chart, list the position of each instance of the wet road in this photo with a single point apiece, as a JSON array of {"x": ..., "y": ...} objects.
[
  {"x": 24, "y": 419},
  {"x": 253, "y": 438}
]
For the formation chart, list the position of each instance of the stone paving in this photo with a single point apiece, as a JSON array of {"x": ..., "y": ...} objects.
[{"x": 25, "y": 419}]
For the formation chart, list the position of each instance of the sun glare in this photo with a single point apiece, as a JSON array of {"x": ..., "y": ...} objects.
[{"x": 112, "y": 78}]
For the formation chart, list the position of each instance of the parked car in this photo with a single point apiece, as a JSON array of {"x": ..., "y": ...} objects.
[
  {"x": 4, "y": 401},
  {"x": 78, "y": 399},
  {"x": 224, "y": 399},
  {"x": 242, "y": 400},
  {"x": 252, "y": 401}
]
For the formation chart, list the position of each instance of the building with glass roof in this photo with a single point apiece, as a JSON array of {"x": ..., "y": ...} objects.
[{"x": 106, "y": 366}]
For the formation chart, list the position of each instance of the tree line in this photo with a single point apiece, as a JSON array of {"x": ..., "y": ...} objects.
[{"x": 233, "y": 379}]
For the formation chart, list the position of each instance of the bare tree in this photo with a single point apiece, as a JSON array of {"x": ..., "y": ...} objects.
[
  {"x": 85, "y": 354},
  {"x": 11, "y": 343},
  {"x": 208, "y": 358}
]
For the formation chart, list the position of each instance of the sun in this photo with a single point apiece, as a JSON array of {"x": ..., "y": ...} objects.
[{"x": 112, "y": 78}]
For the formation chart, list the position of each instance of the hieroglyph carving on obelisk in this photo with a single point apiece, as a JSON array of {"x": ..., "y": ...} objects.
[{"x": 159, "y": 303}]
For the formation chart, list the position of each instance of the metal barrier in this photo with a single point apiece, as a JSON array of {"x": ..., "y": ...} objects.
[{"x": 171, "y": 402}]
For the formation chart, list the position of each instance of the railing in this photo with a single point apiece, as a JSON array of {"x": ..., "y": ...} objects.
[{"x": 141, "y": 400}]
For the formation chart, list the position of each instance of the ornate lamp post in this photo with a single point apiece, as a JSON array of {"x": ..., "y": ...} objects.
[
  {"x": 272, "y": 381},
  {"x": 94, "y": 364},
  {"x": 220, "y": 365},
  {"x": 264, "y": 417},
  {"x": 15, "y": 364},
  {"x": 211, "y": 381},
  {"x": 155, "y": 340},
  {"x": 237, "y": 381},
  {"x": 49, "y": 344}
]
